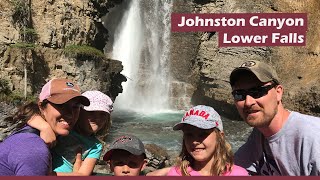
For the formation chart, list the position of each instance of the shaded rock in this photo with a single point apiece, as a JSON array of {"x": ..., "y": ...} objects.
[
  {"x": 157, "y": 157},
  {"x": 5, "y": 127}
]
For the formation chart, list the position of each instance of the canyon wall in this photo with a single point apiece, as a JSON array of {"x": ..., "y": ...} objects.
[
  {"x": 56, "y": 25},
  {"x": 198, "y": 61}
]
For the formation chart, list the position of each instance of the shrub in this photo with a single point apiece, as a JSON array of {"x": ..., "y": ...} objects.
[
  {"x": 23, "y": 45},
  {"x": 17, "y": 98},
  {"x": 4, "y": 87},
  {"x": 20, "y": 12},
  {"x": 29, "y": 35},
  {"x": 7, "y": 95},
  {"x": 84, "y": 52}
]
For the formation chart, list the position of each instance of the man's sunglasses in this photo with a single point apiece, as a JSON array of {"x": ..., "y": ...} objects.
[{"x": 256, "y": 92}]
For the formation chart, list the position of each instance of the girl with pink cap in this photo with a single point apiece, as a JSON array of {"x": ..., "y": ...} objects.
[{"x": 93, "y": 123}]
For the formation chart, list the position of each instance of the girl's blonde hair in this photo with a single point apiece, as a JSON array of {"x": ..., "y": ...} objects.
[{"x": 223, "y": 157}]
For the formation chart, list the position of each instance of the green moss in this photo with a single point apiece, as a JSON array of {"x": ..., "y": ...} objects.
[
  {"x": 6, "y": 95},
  {"x": 23, "y": 45},
  {"x": 29, "y": 35},
  {"x": 20, "y": 12},
  {"x": 17, "y": 98},
  {"x": 84, "y": 52},
  {"x": 4, "y": 87}
]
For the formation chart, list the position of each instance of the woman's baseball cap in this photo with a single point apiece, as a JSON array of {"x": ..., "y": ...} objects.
[{"x": 59, "y": 91}]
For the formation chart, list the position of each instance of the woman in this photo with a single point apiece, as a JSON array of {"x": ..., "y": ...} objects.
[{"x": 24, "y": 153}]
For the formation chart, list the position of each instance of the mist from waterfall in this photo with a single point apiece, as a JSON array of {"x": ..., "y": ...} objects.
[{"x": 142, "y": 43}]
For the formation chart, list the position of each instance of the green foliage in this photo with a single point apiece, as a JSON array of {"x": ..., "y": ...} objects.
[
  {"x": 17, "y": 98},
  {"x": 20, "y": 12},
  {"x": 84, "y": 52},
  {"x": 8, "y": 96},
  {"x": 4, "y": 87},
  {"x": 23, "y": 45},
  {"x": 29, "y": 35}
]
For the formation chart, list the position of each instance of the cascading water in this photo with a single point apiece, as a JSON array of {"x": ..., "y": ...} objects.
[{"x": 142, "y": 43}]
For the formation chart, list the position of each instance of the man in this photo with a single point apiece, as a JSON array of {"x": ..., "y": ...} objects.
[{"x": 282, "y": 142}]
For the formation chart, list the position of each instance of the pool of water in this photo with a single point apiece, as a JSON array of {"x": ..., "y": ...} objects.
[{"x": 157, "y": 129}]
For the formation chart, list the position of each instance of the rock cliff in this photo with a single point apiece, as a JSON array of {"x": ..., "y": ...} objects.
[
  {"x": 207, "y": 67},
  {"x": 36, "y": 34}
]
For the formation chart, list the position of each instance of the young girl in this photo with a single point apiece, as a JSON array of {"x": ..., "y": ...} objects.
[
  {"x": 94, "y": 121},
  {"x": 205, "y": 151}
]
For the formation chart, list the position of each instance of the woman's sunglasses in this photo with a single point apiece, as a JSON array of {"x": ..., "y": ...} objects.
[
  {"x": 67, "y": 107},
  {"x": 256, "y": 92}
]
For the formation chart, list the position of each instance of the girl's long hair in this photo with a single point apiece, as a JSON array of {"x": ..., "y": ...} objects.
[
  {"x": 24, "y": 113},
  {"x": 223, "y": 157},
  {"x": 103, "y": 132}
]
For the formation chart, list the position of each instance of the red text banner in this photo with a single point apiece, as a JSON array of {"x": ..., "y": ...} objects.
[{"x": 247, "y": 29}]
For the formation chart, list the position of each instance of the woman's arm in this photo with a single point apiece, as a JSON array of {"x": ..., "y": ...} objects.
[{"x": 46, "y": 133}]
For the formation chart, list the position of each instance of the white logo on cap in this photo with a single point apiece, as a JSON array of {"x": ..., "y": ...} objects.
[
  {"x": 248, "y": 64},
  {"x": 123, "y": 139},
  {"x": 69, "y": 84}
]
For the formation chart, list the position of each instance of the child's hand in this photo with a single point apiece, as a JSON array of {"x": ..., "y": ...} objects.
[
  {"x": 46, "y": 133},
  {"x": 77, "y": 164},
  {"x": 48, "y": 136}
]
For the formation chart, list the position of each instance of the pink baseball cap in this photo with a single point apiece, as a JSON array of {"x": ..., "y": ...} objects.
[
  {"x": 98, "y": 101},
  {"x": 59, "y": 91}
]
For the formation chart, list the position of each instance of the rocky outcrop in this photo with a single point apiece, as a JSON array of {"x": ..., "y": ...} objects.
[
  {"x": 56, "y": 25},
  {"x": 209, "y": 66}
]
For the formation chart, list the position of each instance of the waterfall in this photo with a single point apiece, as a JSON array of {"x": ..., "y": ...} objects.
[{"x": 142, "y": 43}]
